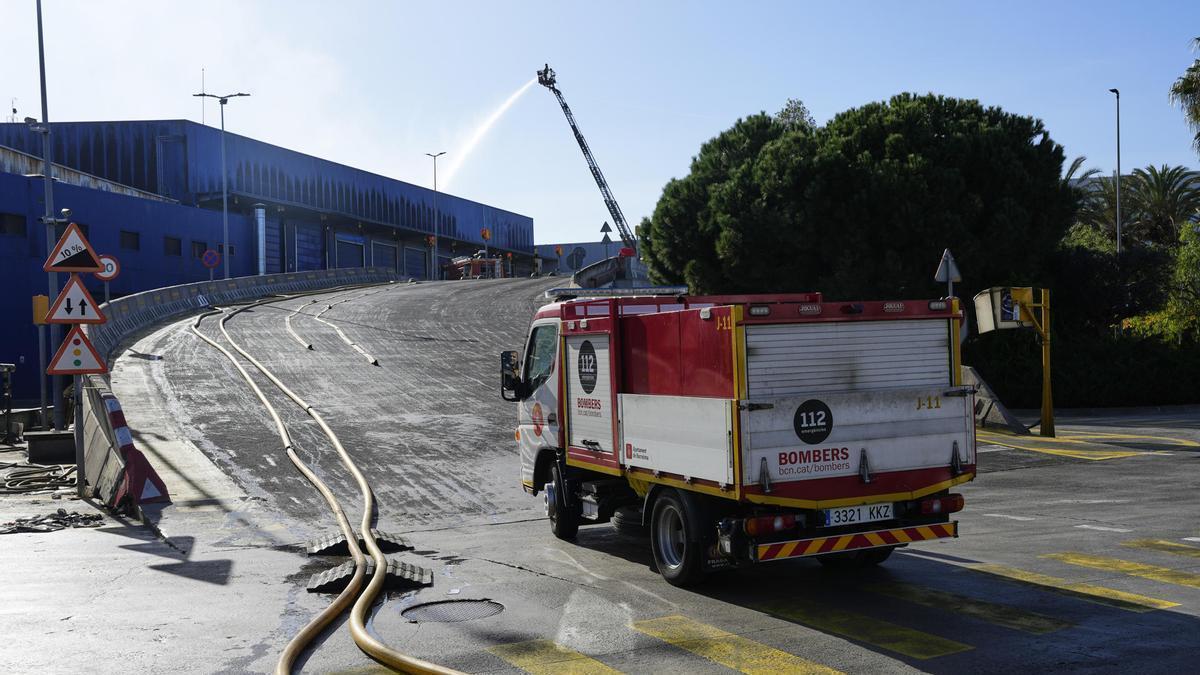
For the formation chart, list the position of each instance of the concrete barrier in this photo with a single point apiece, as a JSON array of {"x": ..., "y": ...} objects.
[{"x": 117, "y": 473}]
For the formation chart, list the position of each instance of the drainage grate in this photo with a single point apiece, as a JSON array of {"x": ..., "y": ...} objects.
[{"x": 449, "y": 611}]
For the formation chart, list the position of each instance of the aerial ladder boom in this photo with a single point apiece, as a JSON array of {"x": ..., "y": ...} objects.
[{"x": 546, "y": 79}]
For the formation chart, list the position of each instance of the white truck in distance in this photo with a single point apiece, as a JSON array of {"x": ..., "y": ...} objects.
[{"x": 745, "y": 428}]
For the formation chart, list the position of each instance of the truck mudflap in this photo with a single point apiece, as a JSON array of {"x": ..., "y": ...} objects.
[{"x": 850, "y": 542}]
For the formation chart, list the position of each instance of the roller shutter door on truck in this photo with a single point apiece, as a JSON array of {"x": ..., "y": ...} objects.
[{"x": 790, "y": 359}]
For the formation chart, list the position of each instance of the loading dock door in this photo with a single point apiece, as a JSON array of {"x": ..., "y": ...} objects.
[
  {"x": 414, "y": 262},
  {"x": 383, "y": 255},
  {"x": 349, "y": 254}
]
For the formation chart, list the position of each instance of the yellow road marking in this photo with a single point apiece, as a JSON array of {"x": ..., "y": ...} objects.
[
  {"x": 908, "y": 641},
  {"x": 1136, "y": 569},
  {"x": 1164, "y": 546},
  {"x": 1098, "y": 594},
  {"x": 1169, "y": 440},
  {"x": 732, "y": 651},
  {"x": 1001, "y": 615},
  {"x": 546, "y": 657},
  {"x": 1094, "y": 444}
]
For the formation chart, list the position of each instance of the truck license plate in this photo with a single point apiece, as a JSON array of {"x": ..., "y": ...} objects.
[{"x": 857, "y": 514}]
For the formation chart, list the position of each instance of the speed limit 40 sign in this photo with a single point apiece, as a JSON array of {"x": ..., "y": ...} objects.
[{"x": 111, "y": 266}]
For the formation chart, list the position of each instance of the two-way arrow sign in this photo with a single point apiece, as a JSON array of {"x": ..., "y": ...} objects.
[{"x": 75, "y": 305}]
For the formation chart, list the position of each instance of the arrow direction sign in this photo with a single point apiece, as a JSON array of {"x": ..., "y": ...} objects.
[
  {"x": 75, "y": 305},
  {"x": 76, "y": 356},
  {"x": 73, "y": 253}
]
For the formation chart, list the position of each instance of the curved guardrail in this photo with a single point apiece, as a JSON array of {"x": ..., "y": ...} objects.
[{"x": 116, "y": 472}]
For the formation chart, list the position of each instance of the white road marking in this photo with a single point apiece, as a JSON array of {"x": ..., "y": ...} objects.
[
  {"x": 991, "y": 448},
  {"x": 1089, "y": 501},
  {"x": 1191, "y": 538},
  {"x": 1102, "y": 528},
  {"x": 1005, "y": 515}
]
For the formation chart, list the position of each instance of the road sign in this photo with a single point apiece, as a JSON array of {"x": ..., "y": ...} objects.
[
  {"x": 210, "y": 259},
  {"x": 73, "y": 253},
  {"x": 485, "y": 234},
  {"x": 74, "y": 305},
  {"x": 606, "y": 239},
  {"x": 947, "y": 270},
  {"x": 111, "y": 270},
  {"x": 606, "y": 228},
  {"x": 76, "y": 356}
]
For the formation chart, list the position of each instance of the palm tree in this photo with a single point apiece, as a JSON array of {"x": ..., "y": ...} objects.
[
  {"x": 1098, "y": 206},
  {"x": 1186, "y": 92},
  {"x": 1163, "y": 199}
]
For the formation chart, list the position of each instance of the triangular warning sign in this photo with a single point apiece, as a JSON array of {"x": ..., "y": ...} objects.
[
  {"x": 947, "y": 270},
  {"x": 76, "y": 356},
  {"x": 606, "y": 240},
  {"x": 73, "y": 253},
  {"x": 75, "y": 305},
  {"x": 606, "y": 227}
]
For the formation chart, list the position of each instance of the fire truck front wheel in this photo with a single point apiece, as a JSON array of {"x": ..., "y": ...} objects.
[
  {"x": 677, "y": 551},
  {"x": 564, "y": 520}
]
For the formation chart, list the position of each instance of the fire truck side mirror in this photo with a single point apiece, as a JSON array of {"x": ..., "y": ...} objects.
[{"x": 510, "y": 379}]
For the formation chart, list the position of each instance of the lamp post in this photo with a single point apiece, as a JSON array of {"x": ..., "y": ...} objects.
[
  {"x": 50, "y": 221},
  {"x": 1118, "y": 94},
  {"x": 224, "y": 179},
  {"x": 433, "y": 249}
]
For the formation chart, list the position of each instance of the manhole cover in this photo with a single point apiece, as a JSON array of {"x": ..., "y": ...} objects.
[{"x": 448, "y": 611}]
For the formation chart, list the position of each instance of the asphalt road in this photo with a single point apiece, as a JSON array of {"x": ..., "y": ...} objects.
[{"x": 1075, "y": 555}]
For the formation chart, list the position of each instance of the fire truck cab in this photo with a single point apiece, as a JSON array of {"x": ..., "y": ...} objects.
[{"x": 743, "y": 429}]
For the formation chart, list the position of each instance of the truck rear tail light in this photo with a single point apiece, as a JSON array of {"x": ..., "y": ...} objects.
[
  {"x": 759, "y": 310},
  {"x": 938, "y": 305},
  {"x": 945, "y": 504},
  {"x": 810, "y": 308},
  {"x": 768, "y": 524}
]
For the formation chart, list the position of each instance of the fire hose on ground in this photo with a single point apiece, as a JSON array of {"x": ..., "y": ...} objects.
[{"x": 366, "y": 641}]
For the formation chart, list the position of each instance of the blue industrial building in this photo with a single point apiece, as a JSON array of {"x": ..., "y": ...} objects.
[{"x": 149, "y": 192}]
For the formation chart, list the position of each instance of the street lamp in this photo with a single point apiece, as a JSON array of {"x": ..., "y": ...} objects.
[
  {"x": 224, "y": 179},
  {"x": 1118, "y": 93},
  {"x": 433, "y": 250}
]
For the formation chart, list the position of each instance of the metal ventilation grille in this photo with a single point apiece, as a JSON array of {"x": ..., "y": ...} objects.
[
  {"x": 800, "y": 358},
  {"x": 450, "y": 611}
]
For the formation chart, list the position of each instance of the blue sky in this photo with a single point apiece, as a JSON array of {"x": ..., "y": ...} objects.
[{"x": 378, "y": 84}]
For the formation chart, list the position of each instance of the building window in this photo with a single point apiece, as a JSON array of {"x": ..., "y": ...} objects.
[
  {"x": 198, "y": 249},
  {"x": 172, "y": 246},
  {"x": 221, "y": 249},
  {"x": 131, "y": 240},
  {"x": 59, "y": 230},
  {"x": 12, "y": 224}
]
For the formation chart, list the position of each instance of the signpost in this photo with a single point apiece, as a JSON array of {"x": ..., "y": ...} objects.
[
  {"x": 210, "y": 259},
  {"x": 112, "y": 268},
  {"x": 75, "y": 356},
  {"x": 607, "y": 239},
  {"x": 947, "y": 273}
]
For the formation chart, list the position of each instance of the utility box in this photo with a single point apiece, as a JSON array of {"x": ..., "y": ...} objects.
[{"x": 51, "y": 447}]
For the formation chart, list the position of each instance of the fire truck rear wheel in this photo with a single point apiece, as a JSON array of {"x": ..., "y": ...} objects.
[
  {"x": 564, "y": 520},
  {"x": 677, "y": 553}
]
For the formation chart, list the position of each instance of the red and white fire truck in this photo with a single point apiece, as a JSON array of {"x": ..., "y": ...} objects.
[{"x": 745, "y": 428}]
